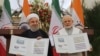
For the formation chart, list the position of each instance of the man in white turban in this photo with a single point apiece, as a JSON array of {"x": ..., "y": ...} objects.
[
  {"x": 24, "y": 24},
  {"x": 35, "y": 31},
  {"x": 33, "y": 21}
]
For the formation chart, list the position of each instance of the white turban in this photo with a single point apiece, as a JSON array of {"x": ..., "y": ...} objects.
[{"x": 30, "y": 16}]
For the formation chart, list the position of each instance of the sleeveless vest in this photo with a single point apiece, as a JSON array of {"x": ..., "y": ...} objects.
[{"x": 63, "y": 31}]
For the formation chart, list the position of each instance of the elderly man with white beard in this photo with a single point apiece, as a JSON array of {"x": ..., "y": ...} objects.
[
  {"x": 34, "y": 31},
  {"x": 69, "y": 29}
]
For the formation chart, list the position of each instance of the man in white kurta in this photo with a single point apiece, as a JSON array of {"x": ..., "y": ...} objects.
[{"x": 69, "y": 29}]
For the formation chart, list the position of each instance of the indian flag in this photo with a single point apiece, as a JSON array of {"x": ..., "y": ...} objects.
[
  {"x": 55, "y": 24},
  {"x": 77, "y": 13},
  {"x": 5, "y": 20},
  {"x": 25, "y": 12}
]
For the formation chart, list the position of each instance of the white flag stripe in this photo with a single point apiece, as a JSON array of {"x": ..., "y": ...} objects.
[
  {"x": 4, "y": 20},
  {"x": 23, "y": 18},
  {"x": 75, "y": 17},
  {"x": 23, "y": 22}
]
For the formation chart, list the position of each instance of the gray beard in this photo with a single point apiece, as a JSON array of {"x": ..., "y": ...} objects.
[
  {"x": 34, "y": 29},
  {"x": 68, "y": 27}
]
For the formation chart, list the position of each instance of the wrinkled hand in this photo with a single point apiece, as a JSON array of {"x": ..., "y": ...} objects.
[
  {"x": 18, "y": 55},
  {"x": 91, "y": 49},
  {"x": 39, "y": 37}
]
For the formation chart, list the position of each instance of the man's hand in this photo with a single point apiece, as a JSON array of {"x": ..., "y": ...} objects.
[
  {"x": 39, "y": 37},
  {"x": 18, "y": 55},
  {"x": 91, "y": 49}
]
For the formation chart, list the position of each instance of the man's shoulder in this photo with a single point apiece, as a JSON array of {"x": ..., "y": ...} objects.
[
  {"x": 44, "y": 34},
  {"x": 26, "y": 31},
  {"x": 63, "y": 29},
  {"x": 42, "y": 30},
  {"x": 76, "y": 28}
]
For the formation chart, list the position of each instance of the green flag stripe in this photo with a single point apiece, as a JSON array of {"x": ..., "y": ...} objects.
[
  {"x": 55, "y": 3},
  {"x": 7, "y": 7}
]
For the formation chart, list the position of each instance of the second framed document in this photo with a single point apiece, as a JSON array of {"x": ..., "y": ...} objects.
[{"x": 71, "y": 43}]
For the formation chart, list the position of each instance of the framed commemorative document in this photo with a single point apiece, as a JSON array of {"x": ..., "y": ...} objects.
[
  {"x": 28, "y": 47},
  {"x": 71, "y": 43}
]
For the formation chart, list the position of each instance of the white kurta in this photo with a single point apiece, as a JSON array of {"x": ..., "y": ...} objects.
[{"x": 74, "y": 31}]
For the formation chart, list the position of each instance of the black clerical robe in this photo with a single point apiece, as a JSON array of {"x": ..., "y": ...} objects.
[{"x": 31, "y": 34}]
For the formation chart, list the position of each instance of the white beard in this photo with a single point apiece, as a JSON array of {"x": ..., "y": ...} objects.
[
  {"x": 68, "y": 27},
  {"x": 34, "y": 29}
]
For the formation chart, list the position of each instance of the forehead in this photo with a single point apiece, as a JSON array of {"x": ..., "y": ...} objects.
[
  {"x": 34, "y": 19},
  {"x": 65, "y": 18}
]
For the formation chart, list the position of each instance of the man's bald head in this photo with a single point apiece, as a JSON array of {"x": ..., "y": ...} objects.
[
  {"x": 67, "y": 21},
  {"x": 67, "y": 17}
]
